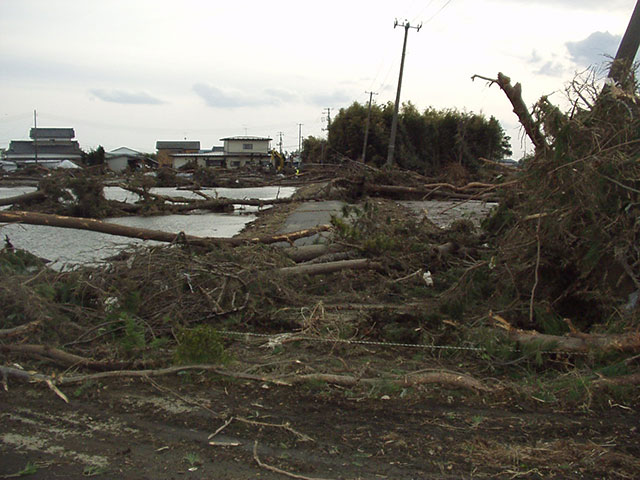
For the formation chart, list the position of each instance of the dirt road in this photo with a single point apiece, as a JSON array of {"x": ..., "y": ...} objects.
[{"x": 159, "y": 429}]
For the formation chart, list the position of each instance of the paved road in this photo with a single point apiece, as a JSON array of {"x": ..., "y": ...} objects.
[{"x": 309, "y": 215}]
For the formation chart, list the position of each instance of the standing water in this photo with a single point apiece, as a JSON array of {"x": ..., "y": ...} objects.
[{"x": 64, "y": 246}]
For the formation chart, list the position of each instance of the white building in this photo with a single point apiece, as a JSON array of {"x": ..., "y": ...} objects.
[
  {"x": 122, "y": 158},
  {"x": 246, "y": 150}
]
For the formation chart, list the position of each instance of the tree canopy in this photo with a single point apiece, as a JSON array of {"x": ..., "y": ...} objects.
[
  {"x": 94, "y": 157},
  {"x": 427, "y": 141}
]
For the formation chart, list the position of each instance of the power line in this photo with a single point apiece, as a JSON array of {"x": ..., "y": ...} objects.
[
  {"x": 441, "y": 9},
  {"x": 422, "y": 11}
]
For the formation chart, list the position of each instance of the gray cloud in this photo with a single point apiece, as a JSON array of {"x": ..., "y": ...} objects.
[
  {"x": 218, "y": 98},
  {"x": 595, "y": 49},
  {"x": 551, "y": 69},
  {"x": 543, "y": 66},
  {"x": 124, "y": 97},
  {"x": 280, "y": 94}
]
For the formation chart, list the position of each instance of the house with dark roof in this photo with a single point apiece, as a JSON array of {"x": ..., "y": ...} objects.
[
  {"x": 48, "y": 147},
  {"x": 167, "y": 149}
]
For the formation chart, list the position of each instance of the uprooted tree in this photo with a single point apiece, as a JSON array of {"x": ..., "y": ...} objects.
[{"x": 567, "y": 237}]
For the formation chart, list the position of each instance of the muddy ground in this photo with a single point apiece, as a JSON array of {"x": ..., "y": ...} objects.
[{"x": 159, "y": 428}]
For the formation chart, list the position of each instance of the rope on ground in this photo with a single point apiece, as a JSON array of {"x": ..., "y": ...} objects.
[{"x": 278, "y": 338}]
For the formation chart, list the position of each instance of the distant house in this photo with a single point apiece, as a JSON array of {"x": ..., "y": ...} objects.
[
  {"x": 235, "y": 152},
  {"x": 203, "y": 158},
  {"x": 168, "y": 149},
  {"x": 245, "y": 150},
  {"x": 124, "y": 158},
  {"x": 47, "y": 147}
]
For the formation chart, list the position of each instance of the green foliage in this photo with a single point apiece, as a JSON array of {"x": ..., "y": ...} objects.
[
  {"x": 202, "y": 344},
  {"x": 314, "y": 150},
  {"x": 17, "y": 261},
  {"x": 206, "y": 177},
  {"x": 94, "y": 157},
  {"x": 134, "y": 333},
  {"x": 82, "y": 389},
  {"x": 90, "y": 201},
  {"x": 192, "y": 459},
  {"x": 426, "y": 141},
  {"x": 549, "y": 322},
  {"x": 167, "y": 177},
  {"x": 94, "y": 470},
  {"x": 29, "y": 469}
]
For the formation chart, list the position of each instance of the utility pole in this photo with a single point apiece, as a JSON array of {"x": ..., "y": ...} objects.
[
  {"x": 300, "y": 138},
  {"x": 628, "y": 48},
  {"x": 394, "y": 123},
  {"x": 328, "y": 112},
  {"x": 366, "y": 130},
  {"x": 280, "y": 143},
  {"x": 35, "y": 136}
]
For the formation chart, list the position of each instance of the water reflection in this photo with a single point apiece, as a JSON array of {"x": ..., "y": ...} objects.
[{"x": 64, "y": 246}]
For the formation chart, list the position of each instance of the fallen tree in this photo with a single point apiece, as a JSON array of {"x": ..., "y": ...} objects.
[
  {"x": 441, "y": 191},
  {"x": 330, "y": 267},
  {"x": 442, "y": 377},
  {"x": 184, "y": 204},
  {"x": 146, "y": 234},
  {"x": 26, "y": 197},
  {"x": 574, "y": 342}
]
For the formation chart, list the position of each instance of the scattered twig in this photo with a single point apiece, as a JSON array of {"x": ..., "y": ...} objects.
[
  {"x": 278, "y": 470},
  {"x": 536, "y": 273},
  {"x": 20, "y": 330}
]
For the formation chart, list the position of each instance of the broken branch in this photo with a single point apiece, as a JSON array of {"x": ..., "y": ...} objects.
[{"x": 514, "y": 94}]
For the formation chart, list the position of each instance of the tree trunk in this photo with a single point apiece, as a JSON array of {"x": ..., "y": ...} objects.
[
  {"x": 305, "y": 253},
  {"x": 27, "y": 197},
  {"x": 146, "y": 234},
  {"x": 330, "y": 267},
  {"x": 440, "y": 191},
  {"x": 514, "y": 94}
]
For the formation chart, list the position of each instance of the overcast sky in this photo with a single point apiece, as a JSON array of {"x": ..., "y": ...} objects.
[{"x": 131, "y": 72}]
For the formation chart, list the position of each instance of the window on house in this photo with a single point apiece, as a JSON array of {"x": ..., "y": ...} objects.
[{"x": 247, "y": 146}]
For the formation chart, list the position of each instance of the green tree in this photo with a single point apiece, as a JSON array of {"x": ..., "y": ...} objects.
[
  {"x": 426, "y": 141},
  {"x": 314, "y": 150},
  {"x": 94, "y": 157}
]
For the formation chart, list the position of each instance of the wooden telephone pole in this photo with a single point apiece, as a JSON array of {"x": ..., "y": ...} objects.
[
  {"x": 628, "y": 48},
  {"x": 366, "y": 130},
  {"x": 394, "y": 123}
]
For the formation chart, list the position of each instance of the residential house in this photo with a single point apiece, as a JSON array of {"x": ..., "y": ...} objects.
[
  {"x": 124, "y": 158},
  {"x": 204, "y": 158},
  {"x": 245, "y": 150},
  {"x": 168, "y": 149},
  {"x": 47, "y": 147}
]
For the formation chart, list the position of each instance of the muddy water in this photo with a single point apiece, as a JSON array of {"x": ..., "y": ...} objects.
[{"x": 71, "y": 247}]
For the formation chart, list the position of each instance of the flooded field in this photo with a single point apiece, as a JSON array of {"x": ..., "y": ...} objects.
[{"x": 68, "y": 246}]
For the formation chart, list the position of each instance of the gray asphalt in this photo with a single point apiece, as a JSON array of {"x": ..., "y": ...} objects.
[{"x": 309, "y": 215}]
